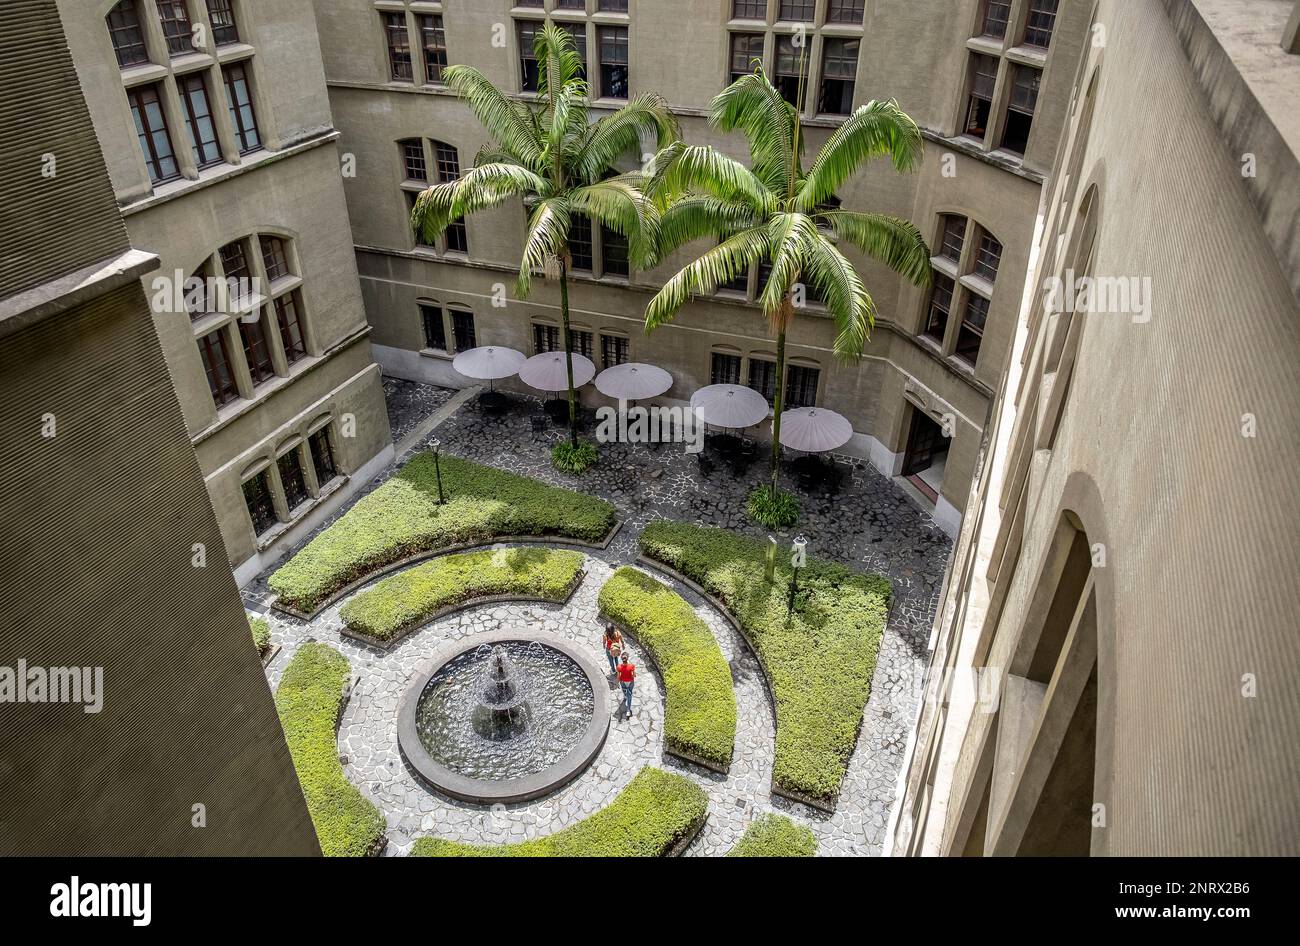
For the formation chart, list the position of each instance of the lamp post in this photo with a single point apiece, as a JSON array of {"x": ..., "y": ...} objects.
[
  {"x": 798, "y": 560},
  {"x": 437, "y": 469}
]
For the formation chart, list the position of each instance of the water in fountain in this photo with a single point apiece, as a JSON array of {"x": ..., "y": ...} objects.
[{"x": 502, "y": 711}]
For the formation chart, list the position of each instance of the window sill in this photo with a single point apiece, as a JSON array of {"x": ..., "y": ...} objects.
[
  {"x": 985, "y": 45},
  {"x": 299, "y": 512},
  {"x": 944, "y": 265},
  {"x": 978, "y": 284},
  {"x": 143, "y": 72},
  {"x": 437, "y": 354},
  {"x": 1028, "y": 56}
]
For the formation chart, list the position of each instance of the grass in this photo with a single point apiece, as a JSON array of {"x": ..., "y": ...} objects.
[
  {"x": 308, "y": 700},
  {"x": 700, "y": 716},
  {"x": 409, "y": 598},
  {"x": 773, "y": 835},
  {"x": 647, "y": 819},
  {"x": 261, "y": 629},
  {"x": 818, "y": 662},
  {"x": 403, "y": 517},
  {"x": 573, "y": 458}
]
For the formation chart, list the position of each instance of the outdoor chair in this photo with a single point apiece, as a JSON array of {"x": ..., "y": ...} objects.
[
  {"x": 538, "y": 424},
  {"x": 704, "y": 463}
]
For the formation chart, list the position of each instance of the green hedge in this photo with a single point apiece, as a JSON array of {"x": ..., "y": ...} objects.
[
  {"x": 700, "y": 717},
  {"x": 818, "y": 663},
  {"x": 261, "y": 629},
  {"x": 773, "y": 835},
  {"x": 403, "y": 517},
  {"x": 654, "y": 812},
  {"x": 394, "y": 604},
  {"x": 308, "y": 699}
]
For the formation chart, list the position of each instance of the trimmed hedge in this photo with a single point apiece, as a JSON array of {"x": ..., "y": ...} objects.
[
  {"x": 818, "y": 663},
  {"x": 402, "y": 517},
  {"x": 773, "y": 835},
  {"x": 261, "y": 629},
  {"x": 657, "y": 810},
  {"x": 700, "y": 713},
  {"x": 399, "y": 602},
  {"x": 309, "y": 698}
]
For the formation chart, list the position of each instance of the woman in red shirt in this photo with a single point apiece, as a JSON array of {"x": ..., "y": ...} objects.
[{"x": 626, "y": 679}]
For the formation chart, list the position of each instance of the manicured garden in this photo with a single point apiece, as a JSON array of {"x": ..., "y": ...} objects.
[
  {"x": 404, "y": 517},
  {"x": 773, "y": 835},
  {"x": 649, "y": 818},
  {"x": 819, "y": 661},
  {"x": 700, "y": 703},
  {"x": 309, "y": 699},
  {"x": 395, "y": 605},
  {"x": 261, "y": 629}
]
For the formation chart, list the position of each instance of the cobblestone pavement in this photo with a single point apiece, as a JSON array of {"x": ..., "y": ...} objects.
[
  {"x": 871, "y": 526},
  {"x": 410, "y": 402}
]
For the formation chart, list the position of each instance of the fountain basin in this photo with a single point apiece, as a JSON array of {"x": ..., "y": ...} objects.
[{"x": 425, "y": 719}]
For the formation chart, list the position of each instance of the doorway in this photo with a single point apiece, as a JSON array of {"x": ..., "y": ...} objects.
[{"x": 926, "y": 454}]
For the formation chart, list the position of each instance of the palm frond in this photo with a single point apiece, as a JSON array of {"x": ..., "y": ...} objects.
[
  {"x": 845, "y": 296},
  {"x": 620, "y": 204},
  {"x": 506, "y": 121},
  {"x": 622, "y": 131},
  {"x": 558, "y": 62},
  {"x": 700, "y": 169},
  {"x": 719, "y": 265},
  {"x": 546, "y": 239},
  {"x": 876, "y": 129},
  {"x": 790, "y": 235},
  {"x": 755, "y": 107},
  {"x": 896, "y": 243},
  {"x": 697, "y": 216}
]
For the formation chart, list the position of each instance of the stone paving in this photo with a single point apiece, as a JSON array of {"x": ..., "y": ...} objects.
[
  {"x": 410, "y": 402},
  {"x": 871, "y": 525}
]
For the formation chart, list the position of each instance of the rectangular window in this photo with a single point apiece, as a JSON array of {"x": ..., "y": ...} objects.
[
  {"x": 197, "y": 302},
  {"x": 613, "y": 350},
  {"x": 175, "y": 19},
  {"x": 235, "y": 268},
  {"x": 128, "y": 38},
  {"x": 749, "y": 10},
  {"x": 996, "y": 15},
  {"x": 762, "y": 378},
  {"x": 796, "y": 11},
  {"x": 545, "y": 338},
  {"x": 399, "y": 47},
  {"x": 582, "y": 343},
  {"x": 984, "y": 76},
  {"x": 462, "y": 329},
  {"x": 839, "y": 70},
  {"x": 411, "y": 197},
  {"x": 457, "y": 236},
  {"x": 1020, "y": 108},
  {"x": 435, "y": 330},
  {"x": 800, "y": 387},
  {"x": 287, "y": 318},
  {"x": 787, "y": 70},
  {"x": 413, "y": 161},
  {"x": 972, "y": 327},
  {"x": 612, "y": 6},
  {"x": 745, "y": 49},
  {"x": 530, "y": 3},
  {"x": 580, "y": 243},
  {"x": 198, "y": 119},
  {"x": 291, "y": 477},
  {"x": 240, "y": 100},
  {"x": 256, "y": 350},
  {"x": 987, "y": 257},
  {"x": 613, "y": 62},
  {"x": 257, "y": 497},
  {"x": 224, "y": 29},
  {"x": 151, "y": 129},
  {"x": 448, "y": 162},
  {"x": 322, "y": 456},
  {"x": 724, "y": 368},
  {"x": 740, "y": 284},
  {"x": 936, "y": 322},
  {"x": 434, "y": 41},
  {"x": 846, "y": 11},
  {"x": 614, "y": 251},
  {"x": 274, "y": 258},
  {"x": 527, "y": 57},
  {"x": 570, "y": 4},
  {"x": 579, "y": 33},
  {"x": 954, "y": 235},
  {"x": 1040, "y": 22},
  {"x": 215, "y": 355}
]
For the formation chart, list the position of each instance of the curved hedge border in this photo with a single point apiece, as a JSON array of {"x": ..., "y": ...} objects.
[
  {"x": 310, "y": 701},
  {"x": 402, "y": 519},
  {"x": 773, "y": 835},
  {"x": 700, "y": 710},
  {"x": 818, "y": 663},
  {"x": 396, "y": 605},
  {"x": 657, "y": 814},
  {"x": 261, "y": 629}
]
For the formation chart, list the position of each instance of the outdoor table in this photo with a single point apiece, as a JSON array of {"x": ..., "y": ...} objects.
[
  {"x": 557, "y": 409},
  {"x": 493, "y": 402},
  {"x": 726, "y": 445},
  {"x": 809, "y": 466}
]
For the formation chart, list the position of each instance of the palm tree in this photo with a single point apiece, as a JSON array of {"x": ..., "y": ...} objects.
[
  {"x": 779, "y": 213},
  {"x": 559, "y": 163}
]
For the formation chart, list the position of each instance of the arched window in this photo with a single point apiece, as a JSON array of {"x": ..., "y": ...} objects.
[
  {"x": 127, "y": 35},
  {"x": 965, "y": 267}
]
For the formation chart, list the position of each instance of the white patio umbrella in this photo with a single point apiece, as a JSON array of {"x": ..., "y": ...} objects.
[
  {"x": 547, "y": 371},
  {"x": 814, "y": 429},
  {"x": 729, "y": 405},
  {"x": 633, "y": 381},
  {"x": 488, "y": 362}
]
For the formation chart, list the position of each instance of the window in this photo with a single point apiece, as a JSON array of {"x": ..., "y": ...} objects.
[
  {"x": 570, "y": 4},
  {"x": 274, "y": 258},
  {"x": 1020, "y": 108},
  {"x": 614, "y": 249},
  {"x": 256, "y": 350},
  {"x": 234, "y": 264},
  {"x": 411, "y": 198},
  {"x": 745, "y": 49},
  {"x": 197, "y": 303},
  {"x": 545, "y": 338},
  {"x": 286, "y": 317},
  {"x": 996, "y": 15},
  {"x": 987, "y": 257},
  {"x": 215, "y": 355},
  {"x": 949, "y": 295},
  {"x": 613, "y": 350},
  {"x": 222, "y": 15},
  {"x": 984, "y": 76},
  {"x": 749, "y": 10},
  {"x": 1039, "y": 23},
  {"x": 846, "y": 11},
  {"x": 527, "y": 56},
  {"x": 295, "y": 484},
  {"x": 198, "y": 119},
  {"x": 457, "y": 236},
  {"x": 839, "y": 70},
  {"x": 399, "y": 47},
  {"x": 175, "y": 19},
  {"x": 580, "y": 243},
  {"x": 151, "y": 129},
  {"x": 787, "y": 69},
  {"x": 936, "y": 322},
  {"x": 739, "y": 283},
  {"x": 613, "y": 62},
  {"x": 413, "y": 160},
  {"x": 762, "y": 377},
  {"x": 322, "y": 456},
  {"x": 241, "y": 109},
  {"x": 462, "y": 329},
  {"x": 448, "y": 162},
  {"x": 435, "y": 48},
  {"x": 435, "y": 330},
  {"x": 800, "y": 387},
  {"x": 612, "y": 6},
  {"x": 798, "y": 11},
  {"x": 582, "y": 343},
  {"x": 579, "y": 33},
  {"x": 954, "y": 234},
  {"x": 257, "y": 497},
  {"x": 724, "y": 368},
  {"x": 126, "y": 34},
  {"x": 530, "y": 3},
  {"x": 972, "y": 327}
]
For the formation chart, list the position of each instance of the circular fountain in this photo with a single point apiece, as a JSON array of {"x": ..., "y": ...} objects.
[{"x": 508, "y": 717}]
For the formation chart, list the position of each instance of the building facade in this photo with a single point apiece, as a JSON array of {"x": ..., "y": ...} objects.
[
  {"x": 1113, "y": 664},
  {"x": 987, "y": 81},
  {"x": 215, "y": 124}
]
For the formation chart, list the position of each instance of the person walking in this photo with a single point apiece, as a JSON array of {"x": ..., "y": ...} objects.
[
  {"x": 613, "y": 647},
  {"x": 626, "y": 679}
]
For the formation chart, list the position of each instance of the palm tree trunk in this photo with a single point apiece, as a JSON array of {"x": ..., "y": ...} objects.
[
  {"x": 779, "y": 395},
  {"x": 568, "y": 350}
]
